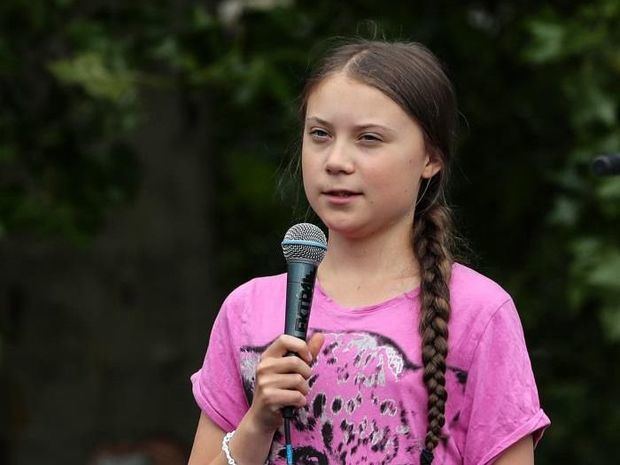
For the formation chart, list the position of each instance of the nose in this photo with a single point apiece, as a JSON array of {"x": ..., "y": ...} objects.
[{"x": 339, "y": 159}]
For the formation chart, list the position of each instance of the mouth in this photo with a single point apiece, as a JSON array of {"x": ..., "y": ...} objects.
[{"x": 342, "y": 193}]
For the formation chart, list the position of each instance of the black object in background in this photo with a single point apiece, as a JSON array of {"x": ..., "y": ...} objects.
[{"x": 607, "y": 165}]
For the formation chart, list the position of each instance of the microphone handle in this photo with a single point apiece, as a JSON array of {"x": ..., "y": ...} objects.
[
  {"x": 299, "y": 291},
  {"x": 300, "y": 280}
]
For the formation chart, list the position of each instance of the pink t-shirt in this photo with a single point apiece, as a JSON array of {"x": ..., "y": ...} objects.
[{"x": 367, "y": 401}]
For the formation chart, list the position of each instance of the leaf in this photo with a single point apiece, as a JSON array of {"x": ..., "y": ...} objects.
[
  {"x": 565, "y": 212},
  {"x": 609, "y": 189},
  {"x": 606, "y": 272},
  {"x": 548, "y": 41},
  {"x": 595, "y": 103},
  {"x": 610, "y": 318},
  {"x": 90, "y": 71},
  {"x": 608, "y": 192},
  {"x": 201, "y": 20}
]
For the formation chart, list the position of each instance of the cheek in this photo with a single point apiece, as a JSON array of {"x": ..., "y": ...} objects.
[
  {"x": 398, "y": 184},
  {"x": 307, "y": 174}
]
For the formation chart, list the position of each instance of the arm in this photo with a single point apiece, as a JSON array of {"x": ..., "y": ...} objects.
[
  {"x": 248, "y": 446},
  {"x": 280, "y": 381},
  {"x": 520, "y": 453}
]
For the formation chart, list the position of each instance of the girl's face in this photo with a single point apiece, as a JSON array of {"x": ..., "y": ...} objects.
[{"x": 362, "y": 158}]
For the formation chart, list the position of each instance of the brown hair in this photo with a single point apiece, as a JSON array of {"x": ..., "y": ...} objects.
[{"x": 412, "y": 77}]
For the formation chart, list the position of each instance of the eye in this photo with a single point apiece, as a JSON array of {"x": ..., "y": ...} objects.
[
  {"x": 369, "y": 137},
  {"x": 318, "y": 134}
]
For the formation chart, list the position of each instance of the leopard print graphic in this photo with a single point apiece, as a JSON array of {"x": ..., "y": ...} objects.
[{"x": 350, "y": 412}]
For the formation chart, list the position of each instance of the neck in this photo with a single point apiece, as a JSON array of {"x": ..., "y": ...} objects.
[{"x": 381, "y": 264}]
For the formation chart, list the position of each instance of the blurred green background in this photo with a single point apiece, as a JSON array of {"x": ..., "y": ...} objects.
[{"x": 143, "y": 155}]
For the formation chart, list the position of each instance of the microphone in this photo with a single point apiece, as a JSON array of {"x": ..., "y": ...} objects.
[
  {"x": 304, "y": 247},
  {"x": 606, "y": 165}
]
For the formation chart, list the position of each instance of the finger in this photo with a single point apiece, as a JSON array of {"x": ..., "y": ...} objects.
[
  {"x": 315, "y": 343},
  {"x": 293, "y": 382},
  {"x": 285, "y": 344},
  {"x": 272, "y": 385},
  {"x": 275, "y": 398},
  {"x": 284, "y": 365},
  {"x": 289, "y": 398}
]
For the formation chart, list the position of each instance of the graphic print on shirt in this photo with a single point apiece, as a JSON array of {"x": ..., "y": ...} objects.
[{"x": 363, "y": 423}]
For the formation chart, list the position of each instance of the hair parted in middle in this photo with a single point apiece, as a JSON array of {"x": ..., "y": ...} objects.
[{"x": 410, "y": 75}]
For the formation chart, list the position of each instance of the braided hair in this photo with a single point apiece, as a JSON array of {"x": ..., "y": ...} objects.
[
  {"x": 431, "y": 245},
  {"x": 412, "y": 77}
]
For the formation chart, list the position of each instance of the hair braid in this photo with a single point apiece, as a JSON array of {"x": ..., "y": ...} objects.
[{"x": 432, "y": 245}]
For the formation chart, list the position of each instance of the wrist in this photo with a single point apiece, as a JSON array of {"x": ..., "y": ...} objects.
[
  {"x": 228, "y": 454},
  {"x": 257, "y": 426},
  {"x": 249, "y": 444},
  {"x": 226, "y": 448}
]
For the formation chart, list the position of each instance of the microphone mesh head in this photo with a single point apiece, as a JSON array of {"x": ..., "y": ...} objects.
[{"x": 306, "y": 242}]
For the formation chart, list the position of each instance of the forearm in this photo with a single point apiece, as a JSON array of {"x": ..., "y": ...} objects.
[
  {"x": 248, "y": 446},
  {"x": 520, "y": 453}
]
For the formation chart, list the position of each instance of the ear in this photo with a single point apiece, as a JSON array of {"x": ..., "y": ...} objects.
[{"x": 432, "y": 167}]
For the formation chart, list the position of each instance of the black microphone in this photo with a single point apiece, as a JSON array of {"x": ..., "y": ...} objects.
[
  {"x": 304, "y": 247},
  {"x": 606, "y": 165}
]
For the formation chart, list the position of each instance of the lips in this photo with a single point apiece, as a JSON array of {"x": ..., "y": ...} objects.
[
  {"x": 340, "y": 193},
  {"x": 340, "y": 197}
]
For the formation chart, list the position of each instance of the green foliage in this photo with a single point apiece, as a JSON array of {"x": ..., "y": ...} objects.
[
  {"x": 69, "y": 100},
  {"x": 588, "y": 211},
  {"x": 98, "y": 80}
]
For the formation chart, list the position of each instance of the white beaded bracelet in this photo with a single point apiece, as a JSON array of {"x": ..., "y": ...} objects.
[{"x": 225, "y": 448}]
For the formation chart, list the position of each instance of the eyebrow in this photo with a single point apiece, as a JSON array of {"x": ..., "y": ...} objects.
[{"x": 316, "y": 119}]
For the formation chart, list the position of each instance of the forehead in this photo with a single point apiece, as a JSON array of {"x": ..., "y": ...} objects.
[{"x": 341, "y": 99}]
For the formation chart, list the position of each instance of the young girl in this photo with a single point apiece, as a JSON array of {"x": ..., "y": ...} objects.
[{"x": 411, "y": 357}]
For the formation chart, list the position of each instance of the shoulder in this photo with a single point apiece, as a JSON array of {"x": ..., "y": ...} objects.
[
  {"x": 252, "y": 313},
  {"x": 469, "y": 287},
  {"x": 256, "y": 291},
  {"x": 475, "y": 301},
  {"x": 258, "y": 296},
  {"x": 260, "y": 286}
]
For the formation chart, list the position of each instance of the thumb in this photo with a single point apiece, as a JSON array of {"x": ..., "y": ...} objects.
[{"x": 315, "y": 343}]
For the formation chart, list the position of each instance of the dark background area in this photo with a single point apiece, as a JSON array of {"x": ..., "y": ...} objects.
[{"x": 144, "y": 149}]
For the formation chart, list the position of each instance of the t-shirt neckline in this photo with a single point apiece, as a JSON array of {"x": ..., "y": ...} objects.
[{"x": 327, "y": 302}]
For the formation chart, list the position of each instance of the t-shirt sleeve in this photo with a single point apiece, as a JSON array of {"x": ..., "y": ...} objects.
[
  {"x": 501, "y": 395},
  {"x": 217, "y": 386}
]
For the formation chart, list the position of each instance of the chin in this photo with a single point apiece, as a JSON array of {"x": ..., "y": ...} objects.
[
  {"x": 344, "y": 223},
  {"x": 347, "y": 229}
]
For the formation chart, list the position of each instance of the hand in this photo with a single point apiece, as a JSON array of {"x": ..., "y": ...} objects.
[{"x": 282, "y": 381}]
